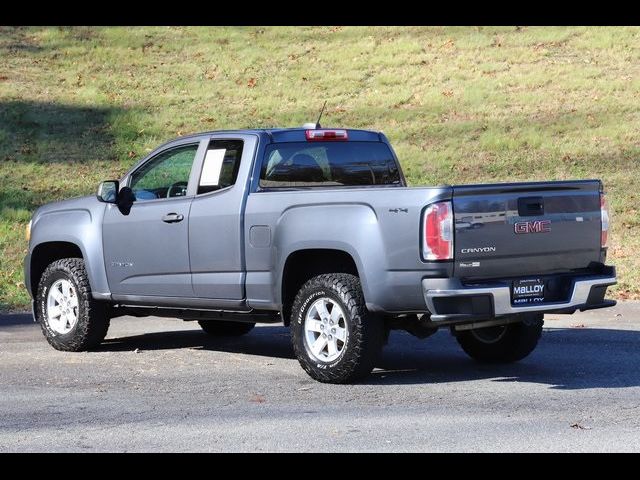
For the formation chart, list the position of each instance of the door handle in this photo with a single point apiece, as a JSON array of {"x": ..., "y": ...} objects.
[{"x": 172, "y": 218}]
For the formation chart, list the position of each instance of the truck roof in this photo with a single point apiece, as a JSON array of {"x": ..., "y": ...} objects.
[{"x": 295, "y": 134}]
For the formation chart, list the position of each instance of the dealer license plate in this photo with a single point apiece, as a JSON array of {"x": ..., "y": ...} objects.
[{"x": 527, "y": 291}]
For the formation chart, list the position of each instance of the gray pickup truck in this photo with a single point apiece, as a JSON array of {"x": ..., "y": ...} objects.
[{"x": 316, "y": 228}]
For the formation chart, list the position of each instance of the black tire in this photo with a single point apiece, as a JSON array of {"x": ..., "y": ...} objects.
[
  {"x": 504, "y": 344},
  {"x": 223, "y": 328},
  {"x": 92, "y": 319},
  {"x": 365, "y": 332}
]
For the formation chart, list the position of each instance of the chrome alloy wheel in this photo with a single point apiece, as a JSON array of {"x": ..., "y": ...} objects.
[
  {"x": 325, "y": 330},
  {"x": 62, "y": 306}
]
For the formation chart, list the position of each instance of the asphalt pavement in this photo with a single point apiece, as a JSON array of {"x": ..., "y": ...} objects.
[{"x": 163, "y": 385}]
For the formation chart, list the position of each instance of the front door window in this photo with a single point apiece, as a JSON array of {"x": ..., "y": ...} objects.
[{"x": 165, "y": 176}]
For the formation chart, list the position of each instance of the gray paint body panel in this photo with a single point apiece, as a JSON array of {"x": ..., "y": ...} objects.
[
  {"x": 144, "y": 255},
  {"x": 486, "y": 242},
  {"x": 359, "y": 221},
  {"x": 77, "y": 221},
  {"x": 216, "y": 235}
]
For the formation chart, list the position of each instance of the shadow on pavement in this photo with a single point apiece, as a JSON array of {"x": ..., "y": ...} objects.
[
  {"x": 565, "y": 358},
  {"x": 262, "y": 341},
  {"x": 9, "y": 319}
]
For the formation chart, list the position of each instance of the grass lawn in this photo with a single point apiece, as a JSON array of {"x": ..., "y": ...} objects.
[{"x": 460, "y": 105}]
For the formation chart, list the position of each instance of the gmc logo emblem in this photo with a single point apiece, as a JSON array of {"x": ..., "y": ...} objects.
[{"x": 537, "y": 226}]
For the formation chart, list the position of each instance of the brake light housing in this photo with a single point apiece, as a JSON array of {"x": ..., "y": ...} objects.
[
  {"x": 437, "y": 230},
  {"x": 604, "y": 221},
  {"x": 323, "y": 135}
]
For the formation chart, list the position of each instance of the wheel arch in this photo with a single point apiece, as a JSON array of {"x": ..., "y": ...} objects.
[
  {"x": 304, "y": 264},
  {"x": 46, "y": 253}
]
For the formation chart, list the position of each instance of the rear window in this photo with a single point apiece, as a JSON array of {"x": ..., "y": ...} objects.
[{"x": 320, "y": 164}]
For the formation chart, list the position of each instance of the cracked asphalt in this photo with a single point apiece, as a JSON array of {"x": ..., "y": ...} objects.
[{"x": 163, "y": 385}]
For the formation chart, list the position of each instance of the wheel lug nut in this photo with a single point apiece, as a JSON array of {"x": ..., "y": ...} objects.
[
  {"x": 330, "y": 337},
  {"x": 324, "y": 335},
  {"x": 321, "y": 327},
  {"x": 333, "y": 330}
]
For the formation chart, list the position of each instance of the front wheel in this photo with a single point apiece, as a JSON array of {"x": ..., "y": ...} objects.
[
  {"x": 335, "y": 338},
  {"x": 502, "y": 344},
  {"x": 70, "y": 318}
]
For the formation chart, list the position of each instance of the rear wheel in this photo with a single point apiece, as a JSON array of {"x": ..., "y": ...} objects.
[
  {"x": 335, "y": 338},
  {"x": 502, "y": 344},
  {"x": 70, "y": 318},
  {"x": 223, "y": 328}
]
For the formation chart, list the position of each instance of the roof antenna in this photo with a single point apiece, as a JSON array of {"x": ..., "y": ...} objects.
[{"x": 319, "y": 117}]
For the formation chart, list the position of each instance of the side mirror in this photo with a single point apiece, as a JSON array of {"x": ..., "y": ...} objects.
[
  {"x": 125, "y": 200},
  {"x": 108, "y": 191}
]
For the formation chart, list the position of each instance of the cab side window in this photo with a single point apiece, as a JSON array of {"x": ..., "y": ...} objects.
[
  {"x": 166, "y": 175},
  {"x": 221, "y": 164}
]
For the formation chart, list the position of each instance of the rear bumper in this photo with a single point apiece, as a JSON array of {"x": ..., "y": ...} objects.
[{"x": 466, "y": 303}]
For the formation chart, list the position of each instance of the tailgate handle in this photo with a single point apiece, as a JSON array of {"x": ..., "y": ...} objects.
[{"x": 530, "y": 206}]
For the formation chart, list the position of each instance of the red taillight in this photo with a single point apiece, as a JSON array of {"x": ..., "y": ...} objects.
[
  {"x": 326, "y": 135},
  {"x": 604, "y": 221},
  {"x": 438, "y": 232}
]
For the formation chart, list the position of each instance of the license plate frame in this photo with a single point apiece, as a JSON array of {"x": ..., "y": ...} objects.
[{"x": 527, "y": 291}]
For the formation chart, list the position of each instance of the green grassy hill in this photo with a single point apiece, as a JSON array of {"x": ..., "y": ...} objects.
[{"x": 461, "y": 105}]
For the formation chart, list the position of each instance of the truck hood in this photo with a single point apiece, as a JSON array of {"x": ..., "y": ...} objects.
[{"x": 88, "y": 202}]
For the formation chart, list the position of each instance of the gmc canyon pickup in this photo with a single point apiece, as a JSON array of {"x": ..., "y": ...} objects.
[{"x": 316, "y": 228}]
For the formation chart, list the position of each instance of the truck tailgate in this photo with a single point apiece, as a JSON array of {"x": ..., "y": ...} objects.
[{"x": 525, "y": 229}]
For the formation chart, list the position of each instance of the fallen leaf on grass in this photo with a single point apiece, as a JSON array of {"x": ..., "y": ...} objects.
[
  {"x": 448, "y": 43},
  {"x": 252, "y": 82},
  {"x": 211, "y": 73}
]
